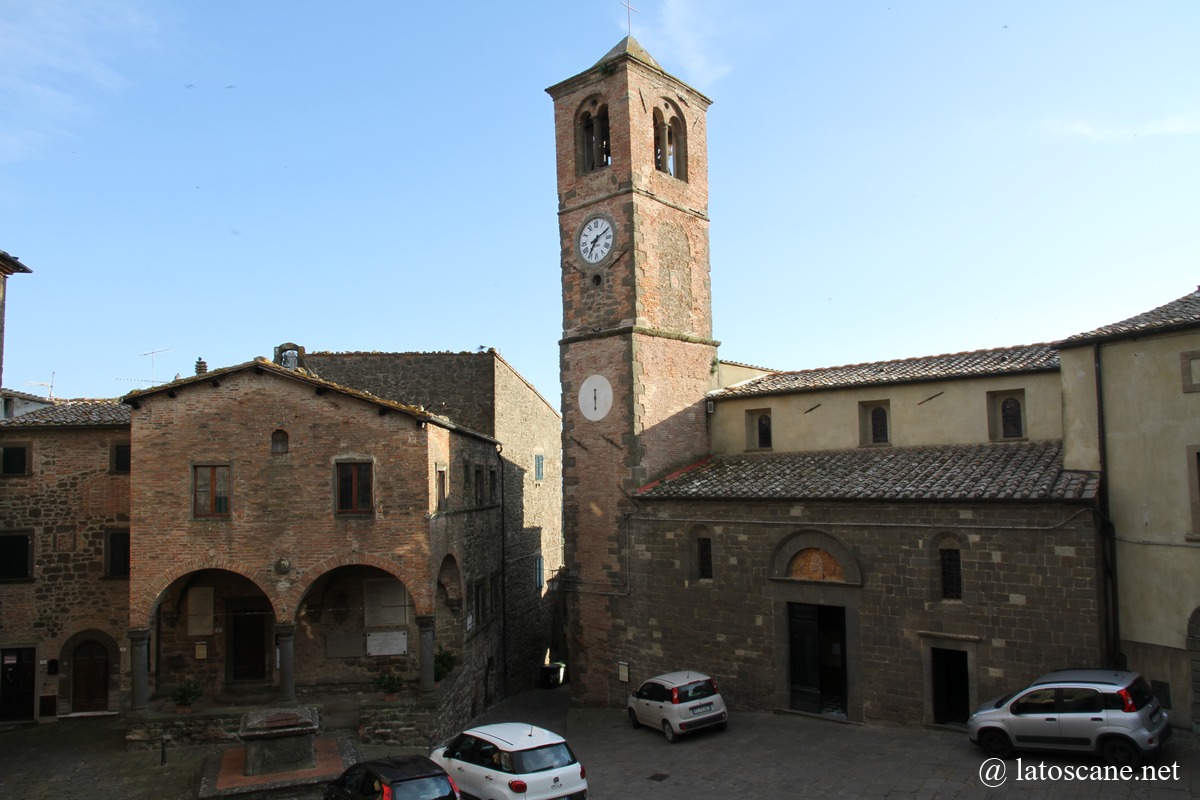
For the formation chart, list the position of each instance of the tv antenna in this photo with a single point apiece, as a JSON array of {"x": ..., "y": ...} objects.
[
  {"x": 152, "y": 354},
  {"x": 49, "y": 386}
]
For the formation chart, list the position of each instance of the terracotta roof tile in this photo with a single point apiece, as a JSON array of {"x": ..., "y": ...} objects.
[
  {"x": 1016, "y": 471},
  {"x": 65, "y": 413},
  {"x": 1181, "y": 313},
  {"x": 977, "y": 363}
]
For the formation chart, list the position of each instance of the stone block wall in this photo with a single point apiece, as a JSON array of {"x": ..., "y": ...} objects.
[
  {"x": 68, "y": 503},
  {"x": 1031, "y": 596}
]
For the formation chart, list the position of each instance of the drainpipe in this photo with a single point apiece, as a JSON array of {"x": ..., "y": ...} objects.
[
  {"x": 503, "y": 571},
  {"x": 1108, "y": 531}
]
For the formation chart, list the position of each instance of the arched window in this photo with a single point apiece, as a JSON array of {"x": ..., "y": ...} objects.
[
  {"x": 592, "y": 138},
  {"x": 879, "y": 425},
  {"x": 1011, "y": 419},
  {"x": 764, "y": 430},
  {"x": 670, "y": 141},
  {"x": 279, "y": 442}
]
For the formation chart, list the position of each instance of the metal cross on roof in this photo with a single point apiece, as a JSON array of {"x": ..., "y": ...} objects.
[{"x": 628, "y": 15}]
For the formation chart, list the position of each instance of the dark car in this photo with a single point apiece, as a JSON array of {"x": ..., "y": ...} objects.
[{"x": 399, "y": 778}]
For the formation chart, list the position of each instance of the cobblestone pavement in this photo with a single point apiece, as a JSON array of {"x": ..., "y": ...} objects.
[{"x": 759, "y": 756}]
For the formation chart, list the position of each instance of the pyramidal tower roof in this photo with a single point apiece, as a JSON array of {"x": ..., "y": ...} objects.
[{"x": 630, "y": 47}]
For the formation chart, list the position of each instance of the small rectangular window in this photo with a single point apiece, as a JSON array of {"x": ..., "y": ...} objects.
[
  {"x": 704, "y": 558},
  {"x": 120, "y": 458},
  {"x": 14, "y": 460},
  {"x": 442, "y": 491},
  {"x": 210, "y": 491},
  {"x": 16, "y": 556},
  {"x": 116, "y": 554},
  {"x": 354, "y": 488},
  {"x": 481, "y": 609},
  {"x": 951, "y": 563},
  {"x": 539, "y": 572},
  {"x": 480, "y": 487},
  {"x": 539, "y": 467}
]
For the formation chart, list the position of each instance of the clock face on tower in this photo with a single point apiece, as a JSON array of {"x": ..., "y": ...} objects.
[
  {"x": 595, "y": 239},
  {"x": 595, "y": 397}
]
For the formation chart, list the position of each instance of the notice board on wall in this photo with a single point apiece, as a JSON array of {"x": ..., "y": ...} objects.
[{"x": 387, "y": 643}]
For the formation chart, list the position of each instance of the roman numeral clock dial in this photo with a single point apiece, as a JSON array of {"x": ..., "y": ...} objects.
[{"x": 595, "y": 239}]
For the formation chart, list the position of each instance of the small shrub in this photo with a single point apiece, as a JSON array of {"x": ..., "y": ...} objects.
[
  {"x": 443, "y": 663},
  {"x": 186, "y": 693},
  {"x": 390, "y": 682}
]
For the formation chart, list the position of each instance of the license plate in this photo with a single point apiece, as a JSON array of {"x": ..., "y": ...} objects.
[{"x": 704, "y": 709}]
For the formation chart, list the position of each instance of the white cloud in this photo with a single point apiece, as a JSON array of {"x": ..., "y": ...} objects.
[
  {"x": 683, "y": 36},
  {"x": 1178, "y": 125},
  {"x": 53, "y": 54}
]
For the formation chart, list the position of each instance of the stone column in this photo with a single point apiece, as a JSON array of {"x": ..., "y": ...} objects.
[
  {"x": 425, "y": 632},
  {"x": 139, "y": 668},
  {"x": 285, "y": 634}
]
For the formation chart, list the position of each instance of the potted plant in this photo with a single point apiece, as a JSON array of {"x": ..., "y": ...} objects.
[
  {"x": 184, "y": 695},
  {"x": 391, "y": 683},
  {"x": 443, "y": 663}
]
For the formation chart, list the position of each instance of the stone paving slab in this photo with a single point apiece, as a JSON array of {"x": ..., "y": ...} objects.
[{"x": 759, "y": 756}]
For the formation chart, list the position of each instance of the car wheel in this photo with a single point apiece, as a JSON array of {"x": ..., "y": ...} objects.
[
  {"x": 1120, "y": 752},
  {"x": 670, "y": 733},
  {"x": 996, "y": 744},
  {"x": 633, "y": 720}
]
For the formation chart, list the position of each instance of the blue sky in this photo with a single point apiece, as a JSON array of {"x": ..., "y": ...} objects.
[{"x": 887, "y": 179}]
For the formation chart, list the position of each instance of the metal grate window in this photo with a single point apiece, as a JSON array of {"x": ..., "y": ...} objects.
[{"x": 951, "y": 560}]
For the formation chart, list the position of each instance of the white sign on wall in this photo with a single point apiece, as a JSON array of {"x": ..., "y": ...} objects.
[{"x": 387, "y": 643}]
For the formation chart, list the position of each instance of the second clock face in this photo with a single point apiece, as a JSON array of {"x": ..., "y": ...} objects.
[{"x": 596, "y": 239}]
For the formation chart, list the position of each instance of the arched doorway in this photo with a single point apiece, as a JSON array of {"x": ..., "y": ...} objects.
[{"x": 89, "y": 677}]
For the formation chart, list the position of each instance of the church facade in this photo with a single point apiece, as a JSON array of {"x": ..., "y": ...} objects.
[{"x": 893, "y": 541}]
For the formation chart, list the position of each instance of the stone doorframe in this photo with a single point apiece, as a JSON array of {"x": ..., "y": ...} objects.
[{"x": 1193, "y": 649}]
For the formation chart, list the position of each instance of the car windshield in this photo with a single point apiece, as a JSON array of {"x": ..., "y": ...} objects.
[
  {"x": 552, "y": 756},
  {"x": 435, "y": 787},
  {"x": 697, "y": 691}
]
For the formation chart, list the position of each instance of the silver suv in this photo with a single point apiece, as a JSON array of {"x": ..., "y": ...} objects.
[
  {"x": 1109, "y": 712},
  {"x": 678, "y": 703}
]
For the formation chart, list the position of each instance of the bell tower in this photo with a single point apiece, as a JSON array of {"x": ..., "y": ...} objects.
[{"x": 637, "y": 355}]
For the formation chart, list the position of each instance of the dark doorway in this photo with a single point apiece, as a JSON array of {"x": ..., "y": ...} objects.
[
  {"x": 817, "y": 655},
  {"x": 16, "y": 683},
  {"x": 951, "y": 690},
  {"x": 89, "y": 678},
  {"x": 249, "y": 626}
]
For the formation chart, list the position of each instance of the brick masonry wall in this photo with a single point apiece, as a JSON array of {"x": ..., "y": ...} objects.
[
  {"x": 1031, "y": 596},
  {"x": 68, "y": 503},
  {"x": 455, "y": 385},
  {"x": 527, "y": 426},
  {"x": 282, "y": 543},
  {"x": 642, "y": 319}
]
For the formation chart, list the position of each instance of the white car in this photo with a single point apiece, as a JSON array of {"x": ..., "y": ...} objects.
[
  {"x": 678, "y": 703},
  {"x": 513, "y": 761}
]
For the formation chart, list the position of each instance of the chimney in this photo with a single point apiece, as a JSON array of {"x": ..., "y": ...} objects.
[{"x": 201, "y": 366}]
